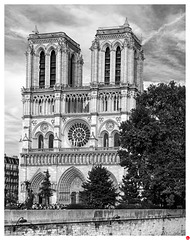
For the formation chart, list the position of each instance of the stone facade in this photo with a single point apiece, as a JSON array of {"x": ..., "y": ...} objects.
[{"x": 68, "y": 127}]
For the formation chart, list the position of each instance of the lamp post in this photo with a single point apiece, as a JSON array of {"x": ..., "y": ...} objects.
[
  {"x": 114, "y": 218},
  {"x": 20, "y": 220}
]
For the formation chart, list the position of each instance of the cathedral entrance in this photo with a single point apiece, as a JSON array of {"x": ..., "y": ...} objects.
[
  {"x": 69, "y": 186},
  {"x": 73, "y": 198}
]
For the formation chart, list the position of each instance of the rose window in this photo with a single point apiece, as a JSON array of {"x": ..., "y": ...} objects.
[{"x": 78, "y": 134}]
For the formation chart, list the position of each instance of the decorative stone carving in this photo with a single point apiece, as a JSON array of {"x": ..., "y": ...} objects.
[
  {"x": 64, "y": 119},
  {"x": 78, "y": 134},
  {"x": 101, "y": 119},
  {"x": 118, "y": 119},
  {"x": 110, "y": 125},
  {"x": 44, "y": 127},
  {"x": 89, "y": 119},
  {"x": 95, "y": 44}
]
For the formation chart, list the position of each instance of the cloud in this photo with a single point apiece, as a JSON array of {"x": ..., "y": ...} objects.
[{"x": 165, "y": 52}]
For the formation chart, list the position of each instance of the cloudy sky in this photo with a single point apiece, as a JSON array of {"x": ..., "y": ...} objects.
[{"x": 162, "y": 28}]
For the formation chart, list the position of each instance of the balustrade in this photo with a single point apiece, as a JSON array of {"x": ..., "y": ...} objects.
[{"x": 72, "y": 156}]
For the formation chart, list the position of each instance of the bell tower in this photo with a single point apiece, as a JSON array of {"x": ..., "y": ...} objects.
[{"x": 67, "y": 127}]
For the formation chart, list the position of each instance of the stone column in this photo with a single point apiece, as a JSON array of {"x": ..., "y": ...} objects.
[
  {"x": 63, "y": 102},
  {"x": 63, "y": 67},
  {"x": 92, "y": 64},
  {"x": 58, "y": 65},
  {"x": 65, "y": 63},
  {"x": 96, "y": 64},
  {"x": 131, "y": 65},
  {"x": 103, "y": 67},
  {"x": 35, "y": 70},
  {"x": 47, "y": 70},
  {"x": 28, "y": 69},
  {"x": 122, "y": 64},
  {"x": 80, "y": 66},
  {"x": 99, "y": 66},
  {"x": 112, "y": 66},
  {"x": 93, "y": 101},
  {"x": 76, "y": 79},
  {"x": 27, "y": 62},
  {"x": 125, "y": 63}
]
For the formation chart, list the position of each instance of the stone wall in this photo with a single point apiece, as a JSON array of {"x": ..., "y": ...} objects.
[{"x": 96, "y": 222}]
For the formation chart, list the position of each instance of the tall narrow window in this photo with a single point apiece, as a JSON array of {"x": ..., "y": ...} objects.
[
  {"x": 71, "y": 72},
  {"x": 42, "y": 70},
  {"x": 52, "y": 69},
  {"x": 118, "y": 66},
  {"x": 40, "y": 142},
  {"x": 106, "y": 104},
  {"x": 105, "y": 140},
  {"x": 107, "y": 66},
  {"x": 135, "y": 67},
  {"x": 116, "y": 140},
  {"x": 115, "y": 103},
  {"x": 51, "y": 138}
]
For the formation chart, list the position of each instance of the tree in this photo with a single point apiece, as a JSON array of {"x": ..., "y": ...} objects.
[
  {"x": 99, "y": 191},
  {"x": 153, "y": 145},
  {"x": 30, "y": 197},
  {"x": 130, "y": 188},
  {"x": 45, "y": 190}
]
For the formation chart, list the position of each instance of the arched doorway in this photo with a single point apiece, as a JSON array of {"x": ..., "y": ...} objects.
[{"x": 69, "y": 186}]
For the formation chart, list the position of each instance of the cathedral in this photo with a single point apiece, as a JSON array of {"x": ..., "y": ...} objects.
[{"x": 67, "y": 127}]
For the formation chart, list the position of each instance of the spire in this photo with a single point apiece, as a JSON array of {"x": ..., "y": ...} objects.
[
  {"x": 126, "y": 24},
  {"x": 35, "y": 30}
]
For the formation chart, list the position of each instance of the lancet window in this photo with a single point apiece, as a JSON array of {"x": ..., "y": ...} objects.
[
  {"x": 116, "y": 103},
  {"x": 118, "y": 66},
  {"x": 51, "y": 138},
  {"x": 105, "y": 140},
  {"x": 135, "y": 66},
  {"x": 71, "y": 72},
  {"x": 107, "y": 66},
  {"x": 40, "y": 142},
  {"x": 116, "y": 139},
  {"x": 42, "y": 70},
  {"x": 52, "y": 69}
]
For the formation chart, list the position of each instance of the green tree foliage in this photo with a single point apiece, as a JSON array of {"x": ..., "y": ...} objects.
[
  {"x": 99, "y": 191},
  {"x": 130, "y": 188},
  {"x": 30, "y": 195},
  {"x": 153, "y": 146},
  {"x": 45, "y": 190}
]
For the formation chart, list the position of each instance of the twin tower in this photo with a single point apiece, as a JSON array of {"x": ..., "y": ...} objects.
[{"x": 68, "y": 127}]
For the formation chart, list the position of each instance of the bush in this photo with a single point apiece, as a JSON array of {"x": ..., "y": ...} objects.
[
  {"x": 143, "y": 205},
  {"x": 75, "y": 206}
]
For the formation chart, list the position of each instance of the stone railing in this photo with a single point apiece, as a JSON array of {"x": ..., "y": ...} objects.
[
  {"x": 71, "y": 156},
  {"x": 152, "y": 222}
]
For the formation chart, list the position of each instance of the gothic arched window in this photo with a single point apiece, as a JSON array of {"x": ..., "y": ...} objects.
[
  {"x": 40, "y": 142},
  {"x": 52, "y": 69},
  {"x": 116, "y": 140},
  {"x": 42, "y": 70},
  {"x": 135, "y": 66},
  {"x": 105, "y": 140},
  {"x": 118, "y": 65},
  {"x": 51, "y": 138},
  {"x": 107, "y": 66},
  {"x": 71, "y": 72}
]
